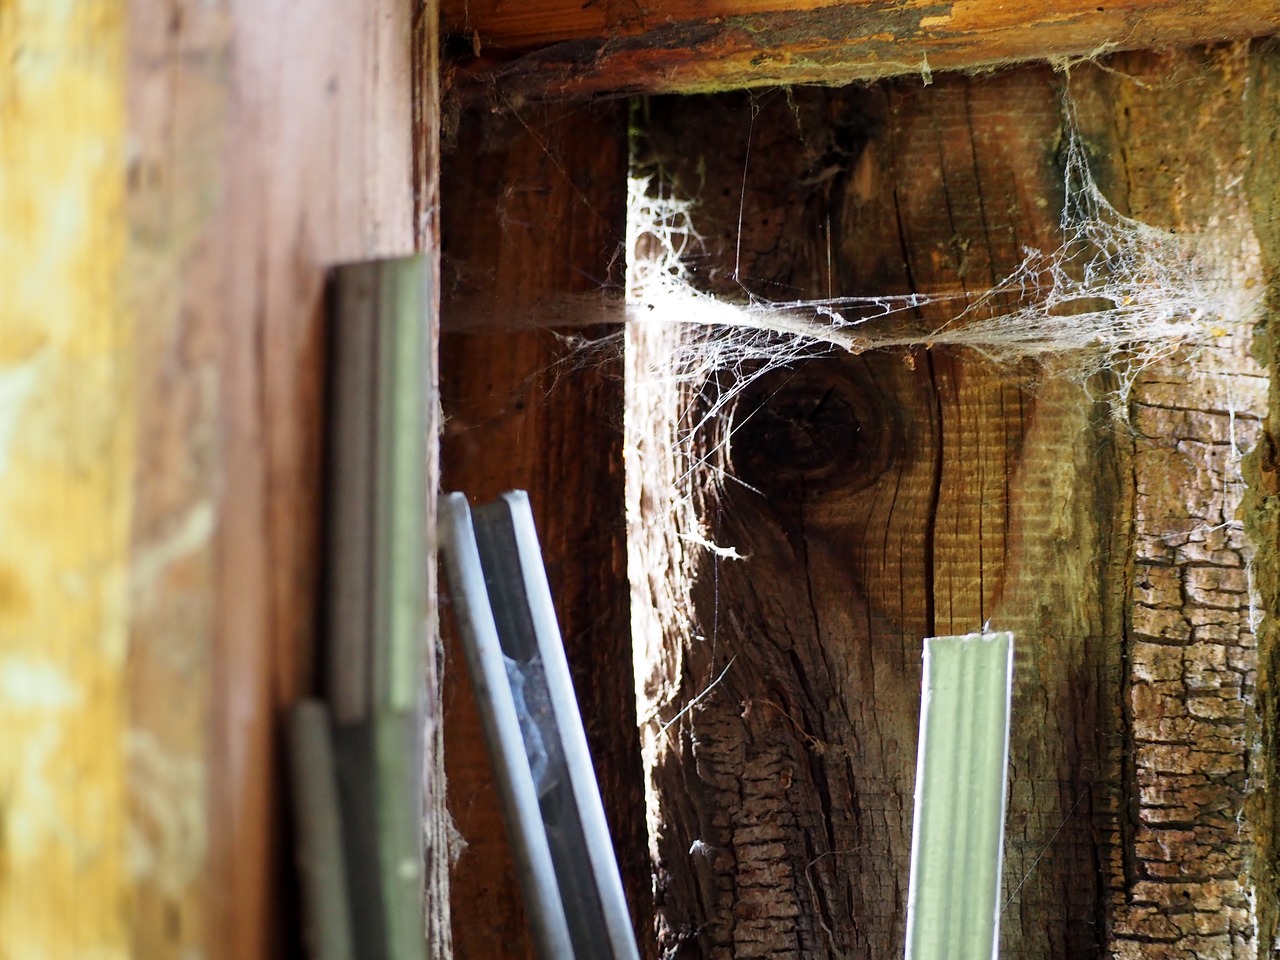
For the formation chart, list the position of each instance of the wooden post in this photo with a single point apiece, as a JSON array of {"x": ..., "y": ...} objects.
[
  {"x": 67, "y": 461},
  {"x": 171, "y": 197},
  {"x": 1262, "y": 473},
  {"x": 1192, "y": 869},
  {"x": 898, "y": 494},
  {"x": 533, "y": 217}
]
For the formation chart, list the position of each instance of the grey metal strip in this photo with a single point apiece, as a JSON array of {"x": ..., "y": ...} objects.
[
  {"x": 521, "y": 810},
  {"x": 578, "y": 835}
]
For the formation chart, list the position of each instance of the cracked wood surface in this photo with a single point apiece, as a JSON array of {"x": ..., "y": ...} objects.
[
  {"x": 1173, "y": 132},
  {"x": 896, "y": 495},
  {"x": 560, "y": 48},
  {"x": 1261, "y": 512}
]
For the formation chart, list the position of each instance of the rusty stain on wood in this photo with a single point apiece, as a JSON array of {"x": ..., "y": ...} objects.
[
  {"x": 67, "y": 463},
  {"x": 572, "y": 50}
]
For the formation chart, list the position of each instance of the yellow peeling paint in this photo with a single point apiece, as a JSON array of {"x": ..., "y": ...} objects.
[{"x": 66, "y": 476}]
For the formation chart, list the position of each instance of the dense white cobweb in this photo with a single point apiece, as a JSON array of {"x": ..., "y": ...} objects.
[{"x": 1117, "y": 294}]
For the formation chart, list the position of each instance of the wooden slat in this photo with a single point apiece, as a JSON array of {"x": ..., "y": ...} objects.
[
  {"x": 1195, "y": 871},
  {"x": 560, "y": 49},
  {"x": 1262, "y": 471},
  {"x": 534, "y": 204},
  {"x": 948, "y": 494},
  {"x": 267, "y": 142},
  {"x": 67, "y": 461}
]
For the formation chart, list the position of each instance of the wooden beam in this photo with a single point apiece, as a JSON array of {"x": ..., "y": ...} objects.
[
  {"x": 891, "y": 495},
  {"x": 1262, "y": 507},
  {"x": 246, "y": 182},
  {"x": 534, "y": 210},
  {"x": 1196, "y": 852},
  {"x": 572, "y": 49},
  {"x": 67, "y": 462}
]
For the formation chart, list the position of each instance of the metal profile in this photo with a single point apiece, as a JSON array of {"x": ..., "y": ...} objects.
[
  {"x": 957, "y": 841},
  {"x": 538, "y": 749}
]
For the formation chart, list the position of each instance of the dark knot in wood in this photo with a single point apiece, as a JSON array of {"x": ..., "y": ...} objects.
[{"x": 818, "y": 429}]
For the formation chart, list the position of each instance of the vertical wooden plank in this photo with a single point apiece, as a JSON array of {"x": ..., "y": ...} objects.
[
  {"x": 1170, "y": 133},
  {"x": 319, "y": 171},
  {"x": 1262, "y": 473},
  {"x": 885, "y": 498},
  {"x": 67, "y": 463},
  {"x": 178, "y": 91},
  {"x": 1134, "y": 814},
  {"x": 439, "y": 836},
  {"x": 267, "y": 143},
  {"x": 533, "y": 217}
]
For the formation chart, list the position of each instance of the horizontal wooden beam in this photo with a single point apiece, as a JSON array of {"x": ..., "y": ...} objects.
[{"x": 566, "y": 48}]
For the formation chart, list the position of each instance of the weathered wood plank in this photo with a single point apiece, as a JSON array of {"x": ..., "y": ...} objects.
[
  {"x": 67, "y": 462},
  {"x": 247, "y": 180},
  {"x": 1190, "y": 687},
  {"x": 894, "y": 495},
  {"x": 938, "y": 498},
  {"x": 534, "y": 203},
  {"x": 562, "y": 49},
  {"x": 1262, "y": 508}
]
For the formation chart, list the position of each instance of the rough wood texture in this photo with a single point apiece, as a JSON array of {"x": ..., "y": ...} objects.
[
  {"x": 1190, "y": 658},
  {"x": 534, "y": 205},
  {"x": 67, "y": 461},
  {"x": 1262, "y": 506},
  {"x": 560, "y": 48},
  {"x": 438, "y": 838},
  {"x": 892, "y": 496},
  {"x": 250, "y": 173},
  {"x": 902, "y": 497}
]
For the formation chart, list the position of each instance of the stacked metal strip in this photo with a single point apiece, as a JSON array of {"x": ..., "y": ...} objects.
[
  {"x": 367, "y": 728},
  {"x": 538, "y": 748}
]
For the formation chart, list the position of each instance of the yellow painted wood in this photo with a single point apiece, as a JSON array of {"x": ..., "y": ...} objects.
[{"x": 66, "y": 475}]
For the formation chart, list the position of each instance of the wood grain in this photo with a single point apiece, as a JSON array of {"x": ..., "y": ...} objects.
[
  {"x": 534, "y": 208},
  {"x": 561, "y": 49},
  {"x": 1261, "y": 516},
  {"x": 896, "y": 495},
  {"x": 67, "y": 461},
  {"x": 1191, "y": 695},
  {"x": 250, "y": 174}
]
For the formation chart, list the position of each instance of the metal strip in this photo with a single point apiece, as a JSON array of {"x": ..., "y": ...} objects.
[
  {"x": 957, "y": 841},
  {"x": 521, "y": 810},
  {"x": 590, "y": 885},
  {"x": 597, "y": 843}
]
